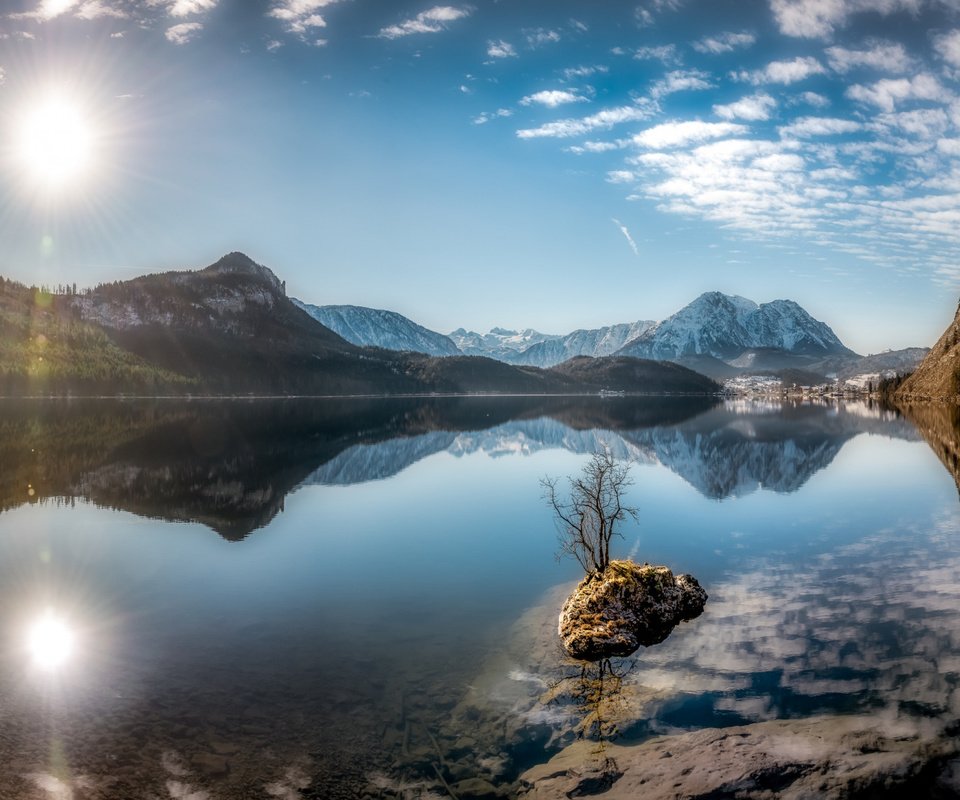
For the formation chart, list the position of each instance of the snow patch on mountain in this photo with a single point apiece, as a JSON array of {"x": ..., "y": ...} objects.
[
  {"x": 372, "y": 327},
  {"x": 724, "y": 326},
  {"x": 596, "y": 342}
]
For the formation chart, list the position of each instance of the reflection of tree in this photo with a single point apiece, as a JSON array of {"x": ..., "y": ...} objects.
[{"x": 596, "y": 690}]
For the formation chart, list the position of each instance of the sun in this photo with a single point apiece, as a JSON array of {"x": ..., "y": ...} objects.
[
  {"x": 50, "y": 641},
  {"x": 55, "y": 143}
]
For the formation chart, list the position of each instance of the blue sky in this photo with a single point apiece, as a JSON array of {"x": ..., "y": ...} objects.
[{"x": 522, "y": 164}]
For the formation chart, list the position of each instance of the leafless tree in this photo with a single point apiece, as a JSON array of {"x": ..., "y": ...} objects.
[{"x": 587, "y": 520}]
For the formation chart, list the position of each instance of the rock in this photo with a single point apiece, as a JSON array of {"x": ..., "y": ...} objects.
[
  {"x": 476, "y": 789},
  {"x": 829, "y": 756},
  {"x": 626, "y": 606}
]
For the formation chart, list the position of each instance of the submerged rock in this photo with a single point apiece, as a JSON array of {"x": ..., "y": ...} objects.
[{"x": 626, "y": 606}]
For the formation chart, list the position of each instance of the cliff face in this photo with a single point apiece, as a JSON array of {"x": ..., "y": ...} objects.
[{"x": 938, "y": 376}]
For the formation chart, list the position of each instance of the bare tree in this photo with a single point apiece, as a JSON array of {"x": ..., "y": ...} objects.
[{"x": 586, "y": 521}]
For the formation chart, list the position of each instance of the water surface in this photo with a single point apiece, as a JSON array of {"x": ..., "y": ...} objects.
[{"x": 331, "y": 599}]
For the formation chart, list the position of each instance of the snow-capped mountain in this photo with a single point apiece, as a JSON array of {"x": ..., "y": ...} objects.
[
  {"x": 724, "y": 326},
  {"x": 372, "y": 327},
  {"x": 596, "y": 343},
  {"x": 499, "y": 343}
]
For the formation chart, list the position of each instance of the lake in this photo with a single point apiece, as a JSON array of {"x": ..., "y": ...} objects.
[{"x": 326, "y": 599}]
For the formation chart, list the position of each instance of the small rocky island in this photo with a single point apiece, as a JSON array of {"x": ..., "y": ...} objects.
[
  {"x": 627, "y": 605},
  {"x": 619, "y": 605}
]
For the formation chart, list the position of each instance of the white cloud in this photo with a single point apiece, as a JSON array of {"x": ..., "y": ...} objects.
[
  {"x": 678, "y": 134},
  {"x": 819, "y": 18},
  {"x": 783, "y": 72},
  {"x": 184, "y": 8},
  {"x": 724, "y": 43},
  {"x": 885, "y": 94},
  {"x": 433, "y": 20},
  {"x": 755, "y": 108},
  {"x": 813, "y": 99},
  {"x": 500, "y": 49},
  {"x": 537, "y": 37},
  {"x": 680, "y": 81},
  {"x": 96, "y": 9},
  {"x": 300, "y": 16},
  {"x": 882, "y": 56},
  {"x": 947, "y": 46},
  {"x": 184, "y": 32},
  {"x": 602, "y": 120},
  {"x": 779, "y": 162},
  {"x": 552, "y": 98},
  {"x": 627, "y": 236},
  {"x": 820, "y": 126}
]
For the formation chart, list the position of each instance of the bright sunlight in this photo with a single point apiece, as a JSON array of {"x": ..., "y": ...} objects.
[
  {"x": 50, "y": 641},
  {"x": 55, "y": 143}
]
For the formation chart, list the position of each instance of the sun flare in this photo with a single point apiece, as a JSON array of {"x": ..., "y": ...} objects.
[
  {"x": 55, "y": 143},
  {"x": 50, "y": 642}
]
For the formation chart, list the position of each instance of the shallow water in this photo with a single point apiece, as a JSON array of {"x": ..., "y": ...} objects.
[{"x": 332, "y": 599}]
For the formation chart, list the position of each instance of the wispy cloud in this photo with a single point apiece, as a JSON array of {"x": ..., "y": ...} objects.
[
  {"x": 882, "y": 56},
  {"x": 552, "y": 98},
  {"x": 667, "y": 53},
  {"x": 602, "y": 120},
  {"x": 782, "y": 72},
  {"x": 487, "y": 116},
  {"x": 184, "y": 32},
  {"x": 646, "y": 13},
  {"x": 501, "y": 49},
  {"x": 820, "y": 126},
  {"x": 627, "y": 236},
  {"x": 947, "y": 46},
  {"x": 681, "y": 81},
  {"x": 81, "y": 9},
  {"x": 537, "y": 37},
  {"x": 433, "y": 20},
  {"x": 570, "y": 73},
  {"x": 724, "y": 42}
]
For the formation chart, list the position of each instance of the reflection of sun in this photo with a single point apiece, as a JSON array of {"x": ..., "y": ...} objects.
[
  {"x": 54, "y": 143},
  {"x": 50, "y": 641}
]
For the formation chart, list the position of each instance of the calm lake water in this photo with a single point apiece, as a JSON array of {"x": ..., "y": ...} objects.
[{"x": 337, "y": 599}]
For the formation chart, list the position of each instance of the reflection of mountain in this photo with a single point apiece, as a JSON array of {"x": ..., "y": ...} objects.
[
  {"x": 939, "y": 424},
  {"x": 733, "y": 450},
  {"x": 230, "y": 465}
]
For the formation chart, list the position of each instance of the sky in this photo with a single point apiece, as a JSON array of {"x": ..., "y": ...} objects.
[{"x": 553, "y": 165}]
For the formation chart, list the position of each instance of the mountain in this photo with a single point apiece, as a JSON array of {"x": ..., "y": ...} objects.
[
  {"x": 501, "y": 343},
  {"x": 230, "y": 329},
  {"x": 724, "y": 326},
  {"x": 938, "y": 376},
  {"x": 596, "y": 342},
  {"x": 372, "y": 327},
  {"x": 615, "y": 371}
]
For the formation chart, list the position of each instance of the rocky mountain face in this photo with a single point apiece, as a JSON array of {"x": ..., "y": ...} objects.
[
  {"x": 372, "y": 327},
  {"x": 500, "y": 343},
  {"x": 596, "y": 343},
  {"x": 938, "y": 376},
  {"x": 724, "y": 326}
]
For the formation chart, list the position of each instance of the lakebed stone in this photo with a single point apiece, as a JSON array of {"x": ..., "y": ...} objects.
[{"x": 627, "y": 605}]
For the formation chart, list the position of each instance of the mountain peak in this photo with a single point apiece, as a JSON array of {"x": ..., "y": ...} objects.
[{"x": 237, "y": 263}]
